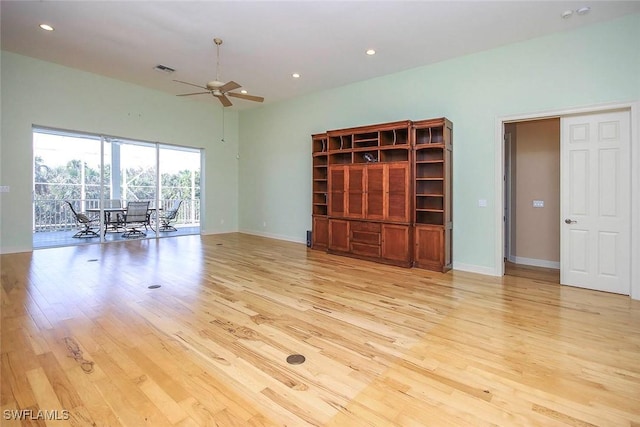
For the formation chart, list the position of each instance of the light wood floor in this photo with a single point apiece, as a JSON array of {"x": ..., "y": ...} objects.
[
  {"x": 551, "y": 275},
  {"x": 384, "y": 346}
]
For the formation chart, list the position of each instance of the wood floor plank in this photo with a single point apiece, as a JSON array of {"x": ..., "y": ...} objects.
[
  {"x": 46, "y": 398},
  {"x": 385, "y": 346}
]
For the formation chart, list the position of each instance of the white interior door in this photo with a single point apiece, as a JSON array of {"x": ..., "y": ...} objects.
[{"x": 595, "y": 201}]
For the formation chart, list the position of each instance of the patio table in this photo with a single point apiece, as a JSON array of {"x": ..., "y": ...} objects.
[{"x": 108, "y": 221}]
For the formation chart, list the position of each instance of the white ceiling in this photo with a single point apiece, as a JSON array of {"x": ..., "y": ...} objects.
[{"x": 266, "y": 41}]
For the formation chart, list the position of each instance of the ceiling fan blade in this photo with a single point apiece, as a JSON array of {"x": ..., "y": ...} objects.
[
  {"x": 248, "y": 97},
  {"x": 224, "y": 100},
  {"x": 189, "y": 94},
  {"x": 229, "y": 86},
  {"x": 191, "y": 84}
]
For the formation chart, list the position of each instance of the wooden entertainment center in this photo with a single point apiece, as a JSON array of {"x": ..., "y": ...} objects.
[{"x": 383, "y": 193}]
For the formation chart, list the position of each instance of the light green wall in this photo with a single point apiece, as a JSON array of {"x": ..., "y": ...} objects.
[
  {"x": 594, "y": 65},
  {"x": 44, "y": 94}
]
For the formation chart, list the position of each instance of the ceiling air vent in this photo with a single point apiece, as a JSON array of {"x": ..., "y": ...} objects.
[{"x": 164, "y": 69}]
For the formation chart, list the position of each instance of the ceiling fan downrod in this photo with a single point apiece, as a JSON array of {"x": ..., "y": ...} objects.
[{"x": 218, "y": 42}]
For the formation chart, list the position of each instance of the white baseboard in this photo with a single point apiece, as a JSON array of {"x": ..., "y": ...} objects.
[
  {"x": 212, "y": 232},
  {"x": 273, "y": 236},
  {"x": 487, "y": 271},
  {"x": 14, "y": 250},
  {"x": 535, "y": 262}
]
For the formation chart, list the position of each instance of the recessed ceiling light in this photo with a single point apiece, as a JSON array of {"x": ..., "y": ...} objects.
[
  {"x": 46, "y": 27},
  {"x": 295, "y": 75},
  {"x": 583, "y": 10},
  {"x": 371, "y": 52},
  {"x": 567, "y": 14},
  {"x": 243, "y": 91}
]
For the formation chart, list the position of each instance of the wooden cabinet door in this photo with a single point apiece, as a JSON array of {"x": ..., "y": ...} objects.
[
  {"x": 355, "y": 191},
  {"x": 429, "y": 247},
  {"x": 320, "y": 232},
  {"x": 375, "y": 192},
  {"x": 339, "y": 235},
  {"x": 337, "y": 183},
  {"x": 397, "y": 193},
  {"x": 395, "y": 243}
]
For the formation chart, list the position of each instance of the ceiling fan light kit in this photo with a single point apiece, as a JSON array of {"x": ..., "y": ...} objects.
[{"x": 218, "y": 88}]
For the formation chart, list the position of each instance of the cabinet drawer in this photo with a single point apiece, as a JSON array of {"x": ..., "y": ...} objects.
[
  {"x": 365, "y": 250},
  {"x": 368, "y": 237},
  {"x": 365, "y": 226}
]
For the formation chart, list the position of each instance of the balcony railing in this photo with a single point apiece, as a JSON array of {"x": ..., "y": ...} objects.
[{"x": 55, "y": 215}]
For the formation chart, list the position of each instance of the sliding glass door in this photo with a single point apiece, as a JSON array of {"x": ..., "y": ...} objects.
[
  {"x": 67, "y": 178},
  {"x": 98, "y": 176},
  {"x": 179, "y": 189},
  {"x": 137, "y": 180}
]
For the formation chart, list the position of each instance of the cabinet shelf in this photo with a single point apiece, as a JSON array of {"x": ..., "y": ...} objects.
[
  {"x": 371, "y": 142},
  {"x": 368, "y": 136},
  {"x": 320, "y": 144},
  {"x": 394, "y": 137},
  {"x": 430, "y": 155},
  {"x": 394, "y": 147},
  {"x": 432, "y": 190},
  {"x": 340, "y": 158},
  {"x": 319, "y": 206},
  {"x": 320, "y": 173},
  {"x": 430, "y": 135},
  {"x": 363, "y": 149},
  {"x": 430, "y": 217},
  {"x": 391, "y": 153},
  {"x": 433, "y": 146},
  {"x": 320, "y": 210}
]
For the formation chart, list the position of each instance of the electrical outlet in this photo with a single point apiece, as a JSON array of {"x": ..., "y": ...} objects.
[
  {"x": 482, "y": 203},
  {"x": 538, "y": 203},
  {"x": 4, "y": 188}
]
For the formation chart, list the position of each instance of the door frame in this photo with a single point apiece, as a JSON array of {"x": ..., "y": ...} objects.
[
  {"x": 499, "y": 183},
  {"x": 506, "y": 196}
]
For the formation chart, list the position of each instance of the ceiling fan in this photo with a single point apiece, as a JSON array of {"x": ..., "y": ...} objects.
[{"x": 220, "y": 89}]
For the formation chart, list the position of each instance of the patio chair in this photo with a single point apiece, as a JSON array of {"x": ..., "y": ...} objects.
[
  {"x": 136, "y": 217},
  {"x": 113, "y": 215},
  {"x": 84, "y": 221},
  {"x": 170, "y": 215}
]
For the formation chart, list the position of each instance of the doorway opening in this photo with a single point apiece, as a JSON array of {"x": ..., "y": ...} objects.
[{"x": 532, "y": 199}]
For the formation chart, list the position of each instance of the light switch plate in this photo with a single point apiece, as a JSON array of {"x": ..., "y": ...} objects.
[
  {"x": 4, "y": 188},
  {"x": 482, "y": 203},
  {"x": 538, "y": 203}
]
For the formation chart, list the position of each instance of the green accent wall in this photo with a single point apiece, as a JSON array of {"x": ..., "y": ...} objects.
[{"x": 594, "y": 65}]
